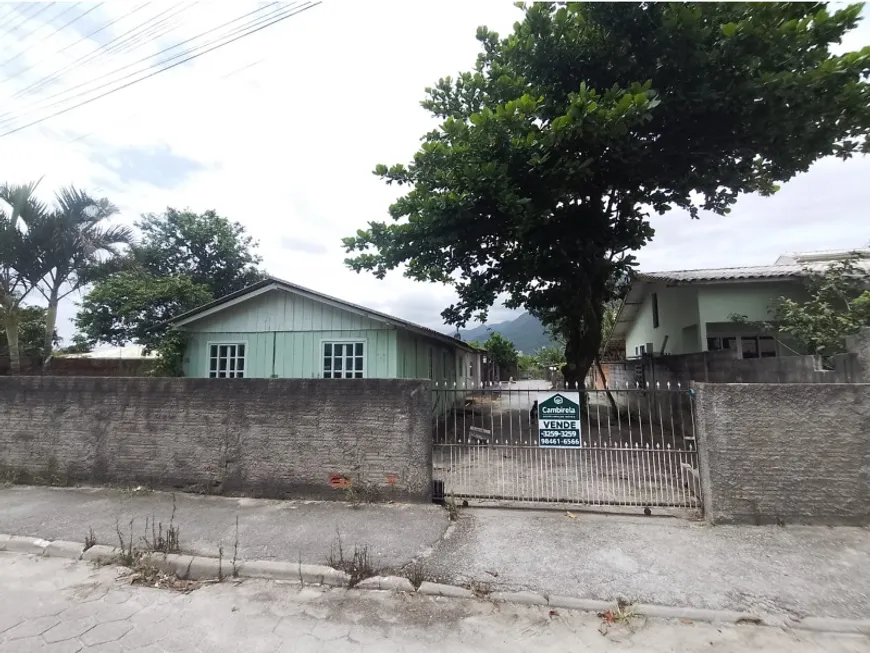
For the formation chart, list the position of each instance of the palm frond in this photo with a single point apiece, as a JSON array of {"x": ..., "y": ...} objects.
[
  {"x": 79, "y": 206},
  {"x": 22, "y": 201}
]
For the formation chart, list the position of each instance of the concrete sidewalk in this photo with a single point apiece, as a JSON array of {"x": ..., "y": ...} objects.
[
  {"x": 268, "y": 529},
  {"x": 799, "y": 571}
]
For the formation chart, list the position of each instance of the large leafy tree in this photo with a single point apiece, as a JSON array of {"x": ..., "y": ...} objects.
[
  {"x": 554, "y": 151},
  {"x": 182, "y": 260},
  {"x": 207, "y": 248},
  {"x": 502, "y": 351},
  {"x": 128, "y": 306}
]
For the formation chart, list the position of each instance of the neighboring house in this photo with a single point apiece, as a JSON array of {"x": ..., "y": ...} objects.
[
  {"x": 689, "y": 311},
  {"x": 276, "y": 329},
  {"x": 112, "y": 353}
]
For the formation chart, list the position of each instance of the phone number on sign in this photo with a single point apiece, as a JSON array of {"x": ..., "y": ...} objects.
[{"x": 563, "y": 441}]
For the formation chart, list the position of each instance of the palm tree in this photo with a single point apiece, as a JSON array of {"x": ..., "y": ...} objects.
[
  {"x": 19, "y": 264},
  {"x": 72, "y": 242}
]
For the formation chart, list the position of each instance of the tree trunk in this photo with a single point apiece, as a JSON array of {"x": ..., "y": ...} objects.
[
  {"x": 12, "y": 340},
  {"x": 581, "y": 349},
  {"x": 50, "y": 323}
]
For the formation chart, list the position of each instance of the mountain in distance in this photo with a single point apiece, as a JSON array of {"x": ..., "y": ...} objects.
[{"x": 526, "y": 332}]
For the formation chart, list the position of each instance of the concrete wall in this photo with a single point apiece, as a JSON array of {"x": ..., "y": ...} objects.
[
  {"x": 264, "y": 437},
  {"x": 61, "y": 366},
  {"x": 726, "y": 367},
  {"x": 784, "y": 453}
]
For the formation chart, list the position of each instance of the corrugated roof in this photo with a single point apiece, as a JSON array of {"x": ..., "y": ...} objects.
[
  {"x": 725, "y": 274},
  {"x": 786, "y": 266}
]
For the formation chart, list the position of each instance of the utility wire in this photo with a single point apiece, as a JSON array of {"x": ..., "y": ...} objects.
[
  {"x": 8, "y": 117},
  {"x": 44, "y": 107},
  {"x": 56, "y": 74},
  {"x": 26, "y": 18},
  {"x": 35, "y": 30},
  {"x": 294, "y": 10},
  {"x": 57, "y": 31},
  {"x": 102, "y": 50},
  {"x": 84, "y": 38}
]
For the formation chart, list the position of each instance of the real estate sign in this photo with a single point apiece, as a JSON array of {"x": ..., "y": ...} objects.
[{"x": 559, "y": 420}]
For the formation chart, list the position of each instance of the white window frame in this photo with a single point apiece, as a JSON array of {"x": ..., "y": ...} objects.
[
  {"x": 738, "y": 343},
  {"x": 232, "y": 343},
  {"x": 343, "y": 341}
]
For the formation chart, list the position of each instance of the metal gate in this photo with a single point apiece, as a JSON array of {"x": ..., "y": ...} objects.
[{"x": 637, "y": 447}]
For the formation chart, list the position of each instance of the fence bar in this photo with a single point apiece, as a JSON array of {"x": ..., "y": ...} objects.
[{"x": 644, "y": 453}]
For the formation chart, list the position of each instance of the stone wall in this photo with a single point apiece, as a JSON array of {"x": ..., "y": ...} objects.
[
  {"x": 261, "y": 437},
  {"x": 785, "y": 453}
]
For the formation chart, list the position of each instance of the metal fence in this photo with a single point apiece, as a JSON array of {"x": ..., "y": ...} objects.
[{"x": 637, "y": 446}]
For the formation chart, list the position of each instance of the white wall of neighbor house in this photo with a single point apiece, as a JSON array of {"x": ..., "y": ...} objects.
[
  {"x": 693, "y": 318},
  {"x": 665, "y": 319},
  {"x": 756, "y": 300}
]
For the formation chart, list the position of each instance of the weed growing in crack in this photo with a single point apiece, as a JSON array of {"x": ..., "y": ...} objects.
[
  {"x": 143, "y": 568},
  {"x": 416, "y": 574},
  {"x": 236, "y": 550},
  {"x": 90, "y": 539},
  {"x": 480, "y": 589},
  {"x": 623, "y": 615},
  {"x": 358, "y": 566},
  {"x": 163, "y": 541},
  {"x": 360, "y": 492},
  {"x": 128, "y": 553}
]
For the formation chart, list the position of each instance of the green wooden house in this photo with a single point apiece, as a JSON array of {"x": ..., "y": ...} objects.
[{"x": 276, "y": 329}]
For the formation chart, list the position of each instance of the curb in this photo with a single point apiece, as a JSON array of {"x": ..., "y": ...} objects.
[{"x": 203, "y": 568}]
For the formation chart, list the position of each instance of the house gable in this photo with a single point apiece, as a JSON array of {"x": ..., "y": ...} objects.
[{"x": 279, "y": 309}]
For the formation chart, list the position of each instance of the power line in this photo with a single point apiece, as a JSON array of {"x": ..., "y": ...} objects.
[
  {"x": 44, "y": 107},
  {"x": 52, "y": 76},
  {"x": 94, "y": 54},
  {"x": 25, "y": 17},
  {"x": 294, "y": 10},
  {"x": 57, "y": 31},
  {"x": 135, "y": 33},
  {"x": 84, "y": 38},
  {"x": 34, "y": 31}
]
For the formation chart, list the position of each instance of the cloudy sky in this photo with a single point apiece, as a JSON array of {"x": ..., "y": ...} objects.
[{"x": 281, "y": 129}]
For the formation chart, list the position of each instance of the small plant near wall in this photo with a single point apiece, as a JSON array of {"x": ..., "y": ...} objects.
[{"x": 170, "y": 354}]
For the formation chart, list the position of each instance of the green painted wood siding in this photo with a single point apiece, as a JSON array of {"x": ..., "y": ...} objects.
[
  {"x": 292, "y": 355},
  {"x": 413, "y": 359},
  {"x": 279, "y": 310},
  {"x": 284, "y": 334}
]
